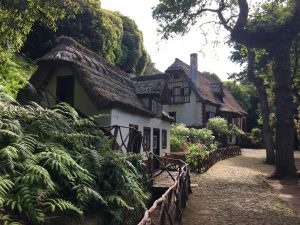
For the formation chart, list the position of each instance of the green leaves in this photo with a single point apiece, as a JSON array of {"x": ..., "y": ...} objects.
[{"x": 54, "y": 163}]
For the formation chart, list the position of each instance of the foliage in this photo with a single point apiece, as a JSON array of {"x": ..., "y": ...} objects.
[
  {"x": 196, "y": 151},
  {"x": 14, "y": 72},
  {"x": 179, "y": 136},
  {"x": 17, "y": 18},
  {"x": 212, "y": 76},
  {"x": 54, "y": 162},
  {"x": 297, "y": 123},
  {"x": 177, "y": 143},
  {"x": 204, "y": 136},
  {"x": 182, "y": 138},
  {"x": 255, "y": 138},
  {"x": 246, "y": 96},
  {"x": 243, "y": 93},
  {"x": 111, "y": 35},
  {"x": 218, "y": 126}
]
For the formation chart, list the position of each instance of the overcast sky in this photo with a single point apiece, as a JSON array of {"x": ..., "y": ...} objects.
[{"x": 163, "y": 53}]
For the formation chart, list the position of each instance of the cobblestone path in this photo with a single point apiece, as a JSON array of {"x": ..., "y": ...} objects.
[{"x": 234, "y": 192}]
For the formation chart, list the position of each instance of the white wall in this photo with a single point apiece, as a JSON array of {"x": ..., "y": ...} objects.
[
  {"x": 123, "y": 118},
  {"x": 187, "y": 113}
]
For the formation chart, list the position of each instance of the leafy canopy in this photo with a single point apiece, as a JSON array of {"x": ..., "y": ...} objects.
[{"x": 17, "y": 18}]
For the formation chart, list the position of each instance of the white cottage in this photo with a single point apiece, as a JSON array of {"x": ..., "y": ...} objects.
[
  {"x": 195, "y": 98},
  {"x": 76, "y": 75}
]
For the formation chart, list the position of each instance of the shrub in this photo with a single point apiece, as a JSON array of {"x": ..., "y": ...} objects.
[
  {"x": 234, "y": 130},
  {"x": 177, "y": 144},
  {"x": 179, "y": 135},
  {"x": 255, "y": 138},
  {"x": 204, "y": 136},
  {"x": 196, "y": 151},
  {"x": 218, "y": 126}
]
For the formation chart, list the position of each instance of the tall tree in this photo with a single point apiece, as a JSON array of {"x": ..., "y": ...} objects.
[
  {"x": 17, "y": 18},
  {"x": 264, "y": 107},
  {"x": 258, "y": 69},
  {"x": 275, "y": 35},
  {"x": 110, "y": 34}
]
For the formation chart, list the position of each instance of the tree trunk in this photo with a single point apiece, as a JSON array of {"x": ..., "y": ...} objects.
[
  {"x": 284, "y": 141},
  {"x": 265, "y": 113},
  {"x": 264, "y": 107}
]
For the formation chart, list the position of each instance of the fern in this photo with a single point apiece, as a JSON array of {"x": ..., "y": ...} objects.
[{"x": 54, "y": 162}]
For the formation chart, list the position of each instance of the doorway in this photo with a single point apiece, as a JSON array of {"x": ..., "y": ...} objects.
[{"x": 156, "y": 147}]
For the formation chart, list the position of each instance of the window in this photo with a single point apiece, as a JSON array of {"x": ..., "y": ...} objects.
[
  {"x": 186, "y": 91},
  {"x": 147, "y": 137},
  {"x": 156, "y": 107},
  {"x": 164, "y": 139},
  {"x": 173, "y": 114},
  {"x": 177, "y": 91},
  {"x": 65, "y": 89},
  {"x": 135, "y": 139},
  {"x": 210, "y": 115}
]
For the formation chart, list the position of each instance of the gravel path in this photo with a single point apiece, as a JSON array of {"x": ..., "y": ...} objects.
[{"x": 234, "y": 192}]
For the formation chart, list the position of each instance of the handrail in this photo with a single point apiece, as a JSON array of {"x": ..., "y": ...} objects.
[{"x": 172, "y": 201}]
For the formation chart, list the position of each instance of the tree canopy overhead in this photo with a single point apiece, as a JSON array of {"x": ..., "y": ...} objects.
[
  {"x": 270, "y": 25},
  {"x": 18, "y": 17},
  {"x": 110, "y": 34}
]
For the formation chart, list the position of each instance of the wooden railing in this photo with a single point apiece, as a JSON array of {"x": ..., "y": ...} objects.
[
  {"x": 168, "y": 208},
  {"x": 207, "y": 161}
]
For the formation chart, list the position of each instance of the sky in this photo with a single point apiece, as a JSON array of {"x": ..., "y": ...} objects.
[{"x": 211, "y": 58}]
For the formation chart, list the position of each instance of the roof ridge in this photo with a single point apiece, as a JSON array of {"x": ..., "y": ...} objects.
[{"x": 70, "y": 42}]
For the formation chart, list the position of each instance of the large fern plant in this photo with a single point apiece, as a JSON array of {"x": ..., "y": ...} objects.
[{"x": 54, "y": 163}]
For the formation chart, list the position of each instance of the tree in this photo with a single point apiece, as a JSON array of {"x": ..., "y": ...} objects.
[
  {"x": 17, "y": 18},
  {"x": 212, "y": 76},
  {"x": 249, "y": 27},
  {"x": 110, "y": 34},
  {"x": 258, "y": 70},
  {"x": 246, "y": 96}
]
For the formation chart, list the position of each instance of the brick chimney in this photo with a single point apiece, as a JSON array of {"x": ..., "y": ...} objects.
[{"x": 194, "y": 68}]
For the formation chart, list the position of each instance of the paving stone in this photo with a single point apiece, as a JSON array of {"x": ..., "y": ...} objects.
[{"x": 235, "y": 192}]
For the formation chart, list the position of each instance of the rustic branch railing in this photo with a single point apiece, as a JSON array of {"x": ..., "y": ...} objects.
[
  {"x": 204, "y": 163},
  {"x": 168, "y": 208},
  {"x": 115, "y": 132}
]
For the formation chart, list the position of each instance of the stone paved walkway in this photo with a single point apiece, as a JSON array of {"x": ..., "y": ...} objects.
[{"x": 235, "y": 192}]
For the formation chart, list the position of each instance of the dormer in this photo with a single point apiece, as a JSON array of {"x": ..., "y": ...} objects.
[
  {"x": 217, "y": 88},
  {"x": 153, "y": 91}
]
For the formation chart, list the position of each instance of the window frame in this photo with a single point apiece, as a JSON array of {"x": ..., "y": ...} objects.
[
  {"x": 147, "y": 129},
  {"x": 164, "y": 138}
]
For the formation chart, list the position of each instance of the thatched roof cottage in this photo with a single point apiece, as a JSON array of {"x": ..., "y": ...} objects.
[
  {"x": 73, "y": 74},
  {"x": 195, "y": 98}
]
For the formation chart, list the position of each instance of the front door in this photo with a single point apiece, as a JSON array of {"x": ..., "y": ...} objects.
[{"x": 156, "y": 147}]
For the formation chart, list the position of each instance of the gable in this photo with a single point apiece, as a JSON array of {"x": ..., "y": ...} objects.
[{"x": 82, "y": 101}]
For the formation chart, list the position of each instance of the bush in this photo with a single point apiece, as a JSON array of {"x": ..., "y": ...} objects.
[
  {"x": 255, "y": 138},
  {"x": 177, "y": 144},
  {"x": 234, "y": 130},
  {"x": 218, "y": 126},
  {"x": 179, "y": 136},
  {"x": 196, "y": 151},
  {"x": 204, "y": 136}
]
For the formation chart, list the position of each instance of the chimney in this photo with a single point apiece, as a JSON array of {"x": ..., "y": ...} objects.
[{"x": 194, "y": 68}]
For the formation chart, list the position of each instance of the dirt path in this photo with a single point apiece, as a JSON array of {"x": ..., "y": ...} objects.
[{"x": 235, "y": 192}]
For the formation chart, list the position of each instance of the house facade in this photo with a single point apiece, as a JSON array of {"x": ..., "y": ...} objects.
[
  {"x": 195, "y": 98},
  {"x": 73, "y": 74}
]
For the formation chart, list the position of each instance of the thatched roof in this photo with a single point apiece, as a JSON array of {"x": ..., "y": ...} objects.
[
  {"x": 209, "y": 91},
  {"x": 106, "y": 85}
]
